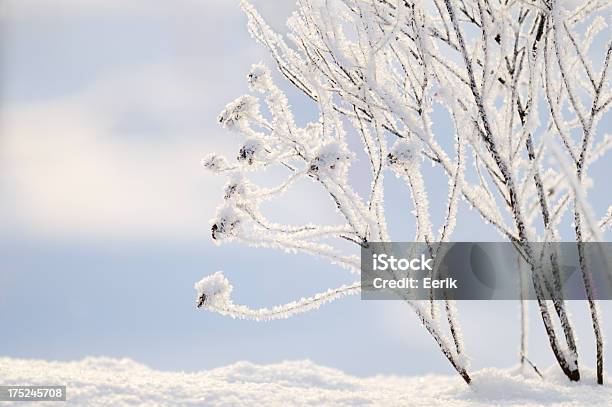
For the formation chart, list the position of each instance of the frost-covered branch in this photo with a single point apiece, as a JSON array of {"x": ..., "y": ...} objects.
[
  {"x": 515, "y": 79},
  {"x": 214, "y": 293}
]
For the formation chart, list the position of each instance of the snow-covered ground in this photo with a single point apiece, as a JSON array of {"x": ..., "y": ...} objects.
[{"x": 113, "y": 382}]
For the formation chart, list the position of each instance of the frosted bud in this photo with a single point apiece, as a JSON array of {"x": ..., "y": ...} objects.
[
  {"x": 213, "y": 291},
  {"x": 215, "y": 163},
  {"x": 259, "y": 78},
  {"x": 238, "y": 111},
  {"x": 404, "y": 155},
  {"x": 331, "y": 159},
  {"x": 237, "y": 187},
  {"x": 251, "y": 151},
  {"x": 226, "y": 224}
]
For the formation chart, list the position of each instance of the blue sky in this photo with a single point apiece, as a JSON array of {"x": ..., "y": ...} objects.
[{"x": 105, "y": 113}]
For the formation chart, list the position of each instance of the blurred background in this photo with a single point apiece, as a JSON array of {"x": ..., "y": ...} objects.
[{"x": 106, "y": 108}]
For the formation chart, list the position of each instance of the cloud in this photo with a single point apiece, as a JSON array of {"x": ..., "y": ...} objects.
[
  {"x": 42, "y": 8},
  {"x": 67, "y": 176},
  {"x": 120, "y": 158},
  {"x": 36, "y": 10},
  {"x": 276, "y": 12}
]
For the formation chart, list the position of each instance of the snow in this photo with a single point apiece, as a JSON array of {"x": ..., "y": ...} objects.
[{"x": 98, "y": 381}]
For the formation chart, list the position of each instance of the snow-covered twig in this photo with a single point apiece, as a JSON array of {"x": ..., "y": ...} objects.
[{"x": 214, "y": 294}]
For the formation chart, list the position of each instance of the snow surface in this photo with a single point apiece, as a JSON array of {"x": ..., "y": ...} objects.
[{"x": 113, "y": 382}]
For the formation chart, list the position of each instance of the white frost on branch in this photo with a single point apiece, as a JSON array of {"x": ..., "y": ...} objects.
[
  {"x": 606, "y": 221},
  {"x": 214, "y": 293}
]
